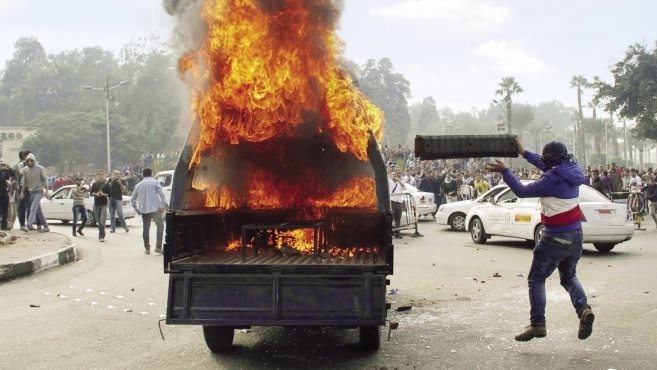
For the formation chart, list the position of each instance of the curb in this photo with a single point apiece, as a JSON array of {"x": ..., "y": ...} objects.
[{"x": 37, "y": 264}]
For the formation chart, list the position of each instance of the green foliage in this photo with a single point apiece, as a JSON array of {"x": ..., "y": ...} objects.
[
  {"x": 390, "y": 92},
  {"x": 507, "y": 88},
  {"x": 632, "y": 94},
  {"x": 45, "y": 92}
]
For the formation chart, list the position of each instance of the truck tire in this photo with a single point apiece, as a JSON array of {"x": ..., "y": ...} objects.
[
  {"x": 91, "y": 220},
  {"x": 604, "y": 247},
  {"x": 477, "y": 231},
  {"x": 370, "y": 337},
  {"x": 457, "y": 221},
  {"x": 219, "y": 339}
]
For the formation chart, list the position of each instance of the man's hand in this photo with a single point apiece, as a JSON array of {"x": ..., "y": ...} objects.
[
  {"x": 521, "y": 148},
  {"x": 495, "y": 167}
]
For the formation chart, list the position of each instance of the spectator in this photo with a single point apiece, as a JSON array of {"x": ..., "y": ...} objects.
[
  {"x": 34, "y": 185},
  {"x": 148, "y": 200},
  {"x": 115, "y": 200},
  {"x": 100, "y": 190},
  {"x": 6, "y": 175}
]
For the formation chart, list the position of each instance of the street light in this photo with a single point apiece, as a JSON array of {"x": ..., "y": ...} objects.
[
  {"x": 549, "y": 126},
  {"x": 107, "y": 88}
]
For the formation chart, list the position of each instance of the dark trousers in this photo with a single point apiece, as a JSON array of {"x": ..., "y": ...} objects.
[
  {"x": 82, "y": 212},
  {"x": 159, "y": 228},
  {"x": 397, "y": 209},
  {"x": 23, "y": 209},
  {"x": 555, "y": 251},
  {"x": 4, "y": 208}
]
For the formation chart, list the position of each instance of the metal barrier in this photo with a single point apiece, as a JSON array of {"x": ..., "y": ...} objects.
[{"x": 409, "y": 218}]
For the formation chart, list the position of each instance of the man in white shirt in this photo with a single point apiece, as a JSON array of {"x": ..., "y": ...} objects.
[{"x": 396, "y": 187}]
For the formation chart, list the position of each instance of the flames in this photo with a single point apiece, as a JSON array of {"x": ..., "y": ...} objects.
[{"x": 268, "y": 90}]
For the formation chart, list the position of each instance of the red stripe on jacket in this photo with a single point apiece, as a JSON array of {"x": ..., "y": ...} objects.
[{"x": 563, "y": 218}]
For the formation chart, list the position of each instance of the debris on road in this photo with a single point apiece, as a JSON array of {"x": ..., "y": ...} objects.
[
  {"x": 34, "y": 306},
  {"x": 404, "y": 308},
  {"x": 497, "y": 275}
]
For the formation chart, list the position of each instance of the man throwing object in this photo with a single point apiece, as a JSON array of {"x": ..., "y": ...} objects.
[{"x": 560, "y": 246}]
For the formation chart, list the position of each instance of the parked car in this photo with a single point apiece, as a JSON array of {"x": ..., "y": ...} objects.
[
  {"x": 604, "y": 223},
  {"x": 165, "y": 179},
  {"x": 424, "y": 204},
  {"x": 453, "y": 214},
  {"x": 60, "y": 205}
]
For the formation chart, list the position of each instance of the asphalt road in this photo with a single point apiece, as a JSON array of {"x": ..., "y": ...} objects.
[{"x": 103, "y": 312}]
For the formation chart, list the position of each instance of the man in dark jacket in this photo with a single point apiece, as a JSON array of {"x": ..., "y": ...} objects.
[
  {"x": 651, "y": 196},
  {"x": 560, "y": 245}
]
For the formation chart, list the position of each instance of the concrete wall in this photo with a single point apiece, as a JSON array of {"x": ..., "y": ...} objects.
[{"x": 11, "y": 142}]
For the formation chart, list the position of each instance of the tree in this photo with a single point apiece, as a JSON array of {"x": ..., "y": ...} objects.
[
  {"x": 428, "y": 114},
  {"x": 580, "y": 82},
  {"x": 508, "y": 88},
  {"x": 632, "y": 94},
  {"x": 390, "y": 91}
]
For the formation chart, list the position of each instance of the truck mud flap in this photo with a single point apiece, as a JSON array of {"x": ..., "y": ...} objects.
[{"x": 276, "y": 299}]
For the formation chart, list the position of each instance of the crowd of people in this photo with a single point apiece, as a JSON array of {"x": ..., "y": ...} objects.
[
  {"x": 24, "y": 185},
  {"x": 453, "y": 180}
]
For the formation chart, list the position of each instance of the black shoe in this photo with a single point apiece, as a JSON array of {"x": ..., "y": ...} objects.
[
  {"x": 586, "y": 318},
  {"x": 74, "y": 233},
  {"x": 531, "y": 332},
  {"x": 80, "y": 232},
  {"x": 112, "y": 230}
]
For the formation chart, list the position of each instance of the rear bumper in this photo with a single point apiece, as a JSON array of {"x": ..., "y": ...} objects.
[
  {"x": 425, "y": 209},
  {"x": 276, "y": 299},
  {"x": 607, "y": 234}
]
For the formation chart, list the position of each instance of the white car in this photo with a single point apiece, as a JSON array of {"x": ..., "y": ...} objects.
[
  {"x": 453, "y": 214},
  {"x": 60, "y": 206},
  {"x": 424, "y": 204},
  {"x": 165, "y": 178},
  {"x": 604, "y": 223}
]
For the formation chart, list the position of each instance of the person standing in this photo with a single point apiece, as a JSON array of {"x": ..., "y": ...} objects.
[
  {"x": 560, "y": 245},
  {"x": 6, "y": 175},
  {"x": 397, "y": 187},
  {"x": 651, "y": 196},
  {"x": 115, "y": 200},
  {"x": 148, "y": 200},
  {"x": 79, "y": 193},
  {"x": 100, "y": 190},
  {"x": 450, "y": 188},
  {"x": 20, "y": 203},
  {"x": 34, "y": 185},
  {"x": 598, "y": 184},
  {"x": 481, "y": 185}
]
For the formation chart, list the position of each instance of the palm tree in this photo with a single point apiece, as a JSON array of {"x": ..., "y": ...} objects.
[
  {"x": 508, "y": 87},
  {"x": 580, "y": 82}
]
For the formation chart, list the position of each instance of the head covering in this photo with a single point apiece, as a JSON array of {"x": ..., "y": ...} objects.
[
  {"x": 553, "y": 153},
  {"x": 30, "y": 156}
]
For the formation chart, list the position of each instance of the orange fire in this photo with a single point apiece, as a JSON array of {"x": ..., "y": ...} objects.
[{"x": 269, "y": 70}]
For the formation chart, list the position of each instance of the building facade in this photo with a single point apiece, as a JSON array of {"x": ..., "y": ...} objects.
[{"x": 11, "y": 142}]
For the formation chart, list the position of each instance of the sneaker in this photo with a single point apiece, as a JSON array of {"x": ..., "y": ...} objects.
[
  {"x": 102, "y": 240},
  {"x": 80, "y": 232},
  {"x": 24, "y": 228},
  {"x": 44, "y": 230},
  {"x": 147, "y": 251},
  {"x": 158, "y": 250},
  {"x": 586, "y": 318},
  {"x": 112, "y": 230},
  {"x": 74, "y": 233},
  {"x": 531, "y": 332}
]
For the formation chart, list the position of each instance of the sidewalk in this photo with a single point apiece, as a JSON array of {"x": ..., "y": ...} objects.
[{"x": 23, "y": 254}]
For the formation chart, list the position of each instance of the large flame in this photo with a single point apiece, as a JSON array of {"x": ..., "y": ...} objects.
[{"x": 269, "y": 70}]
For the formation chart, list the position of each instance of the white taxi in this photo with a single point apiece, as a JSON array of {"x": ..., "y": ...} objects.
[
  {"x": 453, "y": 214},
  {"x": 604, "y": 223}
]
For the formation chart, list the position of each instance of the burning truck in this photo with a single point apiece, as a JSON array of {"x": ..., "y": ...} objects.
[{"x": 280, "y": 211}]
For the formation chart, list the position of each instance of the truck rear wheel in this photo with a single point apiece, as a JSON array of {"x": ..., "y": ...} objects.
[
  {"x": 218, "y": 338},
  {"x": 370, "y": 337}
]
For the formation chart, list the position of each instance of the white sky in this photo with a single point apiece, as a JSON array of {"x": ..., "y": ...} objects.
[{"x": 454, "y": 50}]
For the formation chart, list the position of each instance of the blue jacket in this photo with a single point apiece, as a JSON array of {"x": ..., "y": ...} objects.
[{"x": 558, "y": 190}]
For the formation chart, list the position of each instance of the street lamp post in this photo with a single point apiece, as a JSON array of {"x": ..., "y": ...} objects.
[
  {"x": 107, "y": 88},
  {"x": 542, "y": 131}
]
